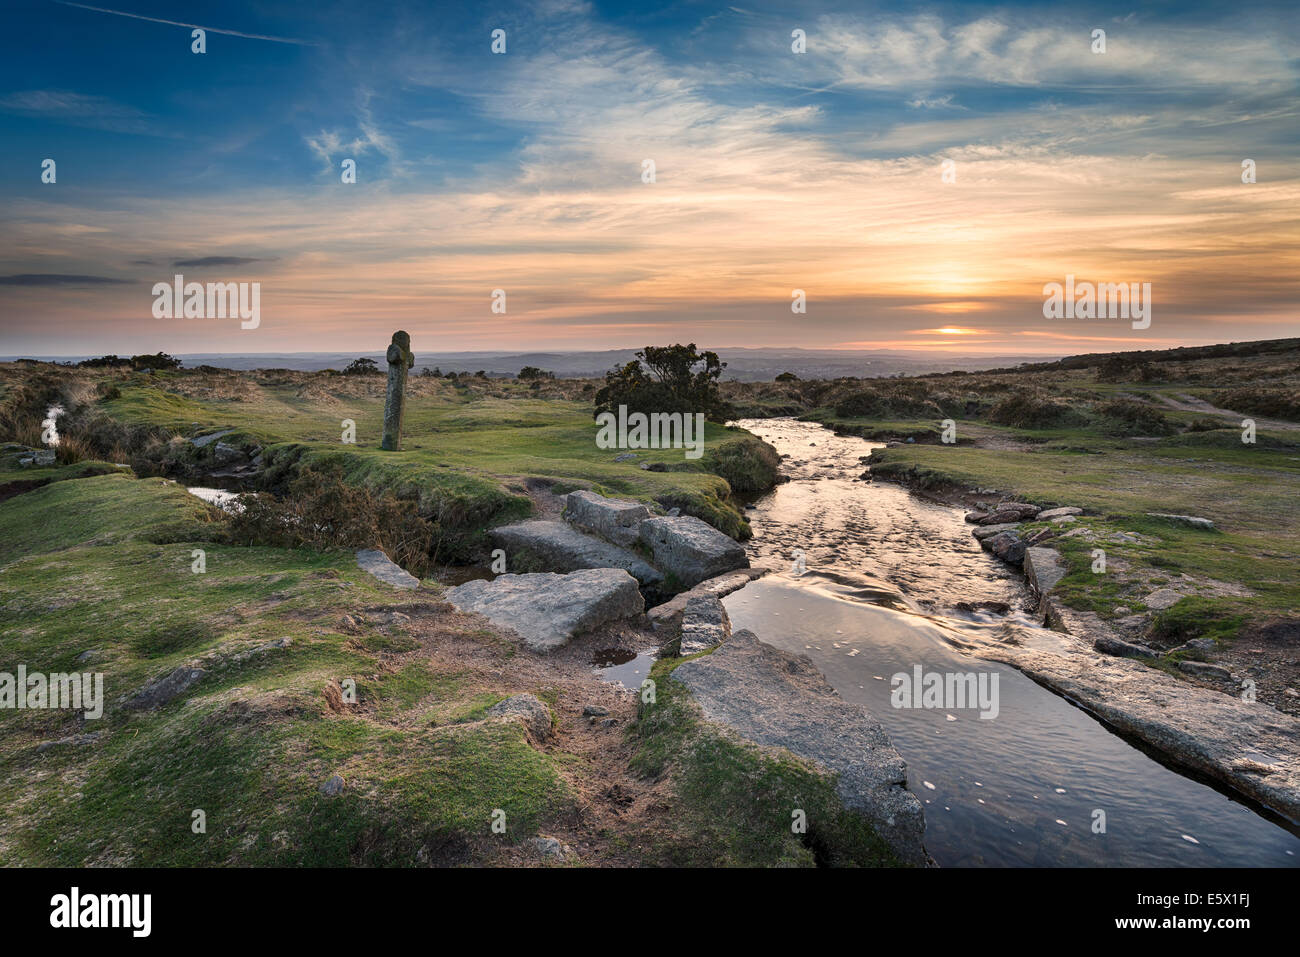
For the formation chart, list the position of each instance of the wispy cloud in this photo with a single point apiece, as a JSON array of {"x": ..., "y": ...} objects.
[
  {"x": 59, "y": 279},
  {"x": 218, "y": 261}
]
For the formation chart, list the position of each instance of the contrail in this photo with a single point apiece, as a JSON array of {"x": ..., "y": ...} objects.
[{"x": 199, "y": 26}]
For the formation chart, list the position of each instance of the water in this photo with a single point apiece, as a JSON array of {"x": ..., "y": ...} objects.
[
  {"x": 885, "y": 571},
  {"x": 216, "y": 496},
  {"x": 628, "y": 668}
]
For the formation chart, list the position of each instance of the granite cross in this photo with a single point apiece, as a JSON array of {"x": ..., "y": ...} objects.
[{"x": 400, "y": 358}]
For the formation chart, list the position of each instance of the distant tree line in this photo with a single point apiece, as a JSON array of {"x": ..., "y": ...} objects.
[{"x": 159, "y": 360}]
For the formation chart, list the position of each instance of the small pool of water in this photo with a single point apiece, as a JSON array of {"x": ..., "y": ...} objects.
[
  {"x": 628, "y": 668},
  {"x": 216, "y": 496}
]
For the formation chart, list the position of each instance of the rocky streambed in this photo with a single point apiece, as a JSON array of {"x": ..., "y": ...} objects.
[{"x": 874, "y": 582}]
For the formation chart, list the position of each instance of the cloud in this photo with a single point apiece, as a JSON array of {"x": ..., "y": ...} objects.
[
  {"x": 933, "y": 103},
  {"x": 331, "y": 143},
  {"x": 219, "y": 261},
  {"x": 59, "y": 279},
  {"x": 79, "y": 109},
  {"x": 760, "y": 190}
]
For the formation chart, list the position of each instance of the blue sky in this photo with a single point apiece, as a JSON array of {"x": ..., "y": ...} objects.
[{"x": 522, "y": 171}]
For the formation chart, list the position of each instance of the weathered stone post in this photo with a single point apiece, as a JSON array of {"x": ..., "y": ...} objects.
[{"x": 400, "y": 358}]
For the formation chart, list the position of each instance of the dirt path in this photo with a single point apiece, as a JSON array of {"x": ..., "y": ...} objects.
[
  {"x": 1187, "y": 403},
  {"x": 617, "y": 813}
]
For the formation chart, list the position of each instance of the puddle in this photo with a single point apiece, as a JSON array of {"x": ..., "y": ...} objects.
[{"x": 628, "y": 668}]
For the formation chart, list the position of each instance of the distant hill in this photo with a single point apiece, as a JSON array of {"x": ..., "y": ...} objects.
[
  {"x": 1226, "y": 350},
  {"x": 744, "y": 365}
]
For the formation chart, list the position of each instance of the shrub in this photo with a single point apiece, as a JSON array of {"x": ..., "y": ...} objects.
[
  {"x": 1129, "y": 417},
  {"x": 748, "y": 464},
  {"x": 322, "y": 511},
  {"x": 1033, "y": 410},
  {"x": 159, "y": 360},
  {"x": 362, "y": 366},
  {"x": 669, "y": 381},
  {"x": 911, "y": 401},
  {"x": 1280, "y": 403}
]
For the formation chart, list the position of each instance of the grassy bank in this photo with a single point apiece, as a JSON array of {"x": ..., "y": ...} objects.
[
  {"x": 97, "y": 574},
  {"x": 473, "y": 450}
]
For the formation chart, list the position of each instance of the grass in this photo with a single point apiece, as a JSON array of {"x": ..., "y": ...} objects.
[
  {"x": 470, "y": 454},
  {"x": 249, "y": 745},
  {"x": 251, "y": 742}
]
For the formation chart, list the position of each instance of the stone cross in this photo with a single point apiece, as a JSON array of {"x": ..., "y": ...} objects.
[{"x": 400, "y": 358}]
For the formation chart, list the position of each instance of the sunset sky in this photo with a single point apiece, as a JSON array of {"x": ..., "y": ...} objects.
[{"x": 775, "y": 171}]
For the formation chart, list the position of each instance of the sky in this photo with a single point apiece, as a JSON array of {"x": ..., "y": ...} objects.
[{"x": 524, "y": 171}]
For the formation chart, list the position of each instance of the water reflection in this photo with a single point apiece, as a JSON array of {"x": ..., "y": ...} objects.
[{"x": 885, "y": 574}]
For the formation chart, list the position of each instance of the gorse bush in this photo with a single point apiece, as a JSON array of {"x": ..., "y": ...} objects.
[
  {"x": 322, "y": 511},
  {"x": 1280, "y": 403},
  {"x": 909, "y": 403},
  {"x": 362, "y": 366},
  {"x": 1033, "y": 410},
  {"x": 748, "y": 465},
  {"x": 1130, "y": 417},
  {"x": 673, "y": 378}
]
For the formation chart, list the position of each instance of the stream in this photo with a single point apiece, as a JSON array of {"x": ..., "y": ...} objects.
[{"x": 883, "y": 573}]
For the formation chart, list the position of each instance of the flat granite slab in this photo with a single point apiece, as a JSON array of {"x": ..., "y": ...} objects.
[
  {"x": 376, "y": 563},
  {"x": 776, "y": 699},
  {"x": 566, "y": 549},
  {"x": 547, "y": 609}
]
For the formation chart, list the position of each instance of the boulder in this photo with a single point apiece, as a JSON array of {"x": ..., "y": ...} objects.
[
  {"x": 1007, "y": 546},
  {"x": 158, "y": 693},
  {"x": 1201, "y": 669},
  {"x": 668, "y": 616},
  {"x": 550, "y": 848},
  {"x": 528, "y": 709},
  {"x": 614, "y": 520},
  {"x": 775, "y": 699},
  {"x": 989, "y": 531},
  {"x": 1010, "y": 512},
  {"x": 547, "y": 609},
  {"x": 975, "y": 516},
  {"x": 1053, "y": 513},
  {"x": 1192, "y": 520},
  {"x": 690, "y": 549},
  {"x": 1110, "y": 645},
  {"x": 1044, "y": 567},
  {"x": 39, "y": 458},
  {"x": 376, "y": 563},
  {"x": 563, "y": 548},
  {"x": 1162, "y": 598},
  {"x": 705, "y": 623}
]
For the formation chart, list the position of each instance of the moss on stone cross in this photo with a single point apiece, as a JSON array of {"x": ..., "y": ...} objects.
[{"x": 400, "y": 358}]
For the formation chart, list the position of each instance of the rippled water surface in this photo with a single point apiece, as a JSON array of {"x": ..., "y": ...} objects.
[{"x": 885, "y": 571}]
